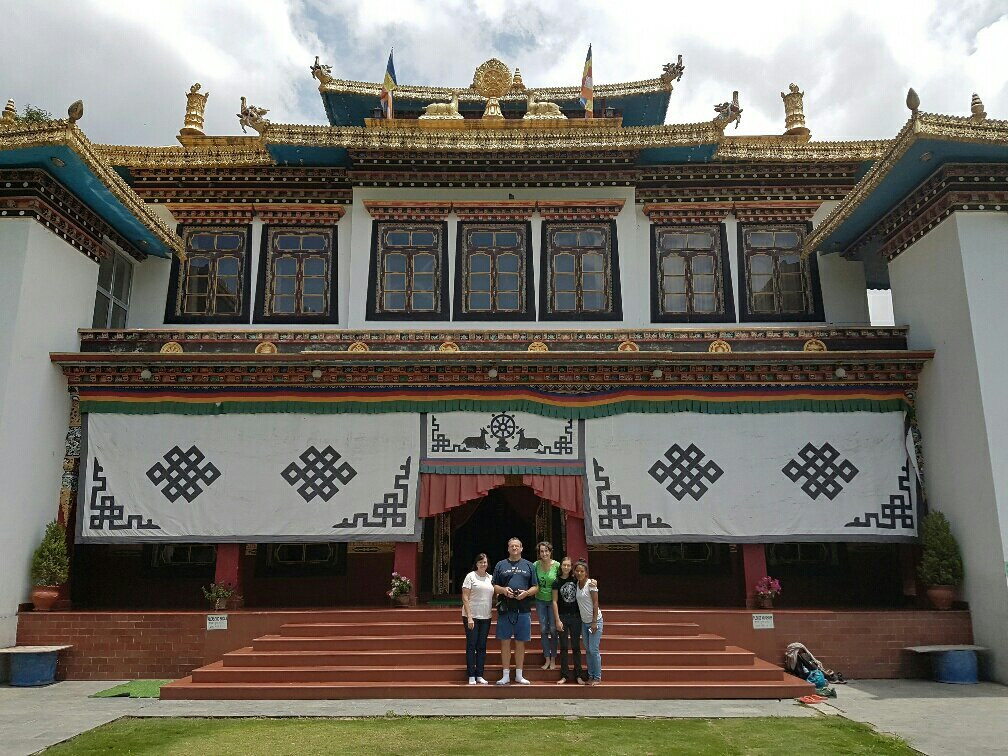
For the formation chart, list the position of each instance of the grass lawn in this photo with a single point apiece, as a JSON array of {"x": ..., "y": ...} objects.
[{"x": 490, "y": 737}]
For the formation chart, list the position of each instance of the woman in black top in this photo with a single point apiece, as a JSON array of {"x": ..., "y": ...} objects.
[{"x": 568, "y": 621}]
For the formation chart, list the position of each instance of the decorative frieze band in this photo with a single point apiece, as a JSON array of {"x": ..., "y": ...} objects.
[
  {"x": 229, "y": 214},
  {"x": 302, "y": 215},
  {"x": 605, "y": 209},
  {"x": 408, "y": 211},
  {"x": 715, "y": 212}
]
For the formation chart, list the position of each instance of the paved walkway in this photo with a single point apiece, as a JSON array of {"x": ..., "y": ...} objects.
[{"x": 933, "y": 718}]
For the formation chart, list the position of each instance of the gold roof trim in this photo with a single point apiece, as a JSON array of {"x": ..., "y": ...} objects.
[
  {"x": 468, "y": 94},
  {"x": 420, "y": 139},
  {"x": 250, "y": 152},
  {"x": 924, "y": 126},
  {"x": 16, "y": 136},
  {"x": 790, "y": 148}
]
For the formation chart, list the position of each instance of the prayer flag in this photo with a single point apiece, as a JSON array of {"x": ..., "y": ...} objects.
[
  {"x": 388, "y": 86},
  {"x": 587, "y": 86}
]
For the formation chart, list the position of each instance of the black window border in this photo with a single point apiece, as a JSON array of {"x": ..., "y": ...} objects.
[
  {"x": 443, "y": 311},
  {"x": 727, "y": 312},
  {"x": 530, "y": 303},
  {"x": 242, "y": 318},
  {"x": 745, "y": 316},
  {"x": 545, "y": 314},
  {"x": 329, "y": 318}
]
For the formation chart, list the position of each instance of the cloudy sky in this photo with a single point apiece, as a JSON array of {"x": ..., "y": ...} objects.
[{"x": 132, "y": 61}]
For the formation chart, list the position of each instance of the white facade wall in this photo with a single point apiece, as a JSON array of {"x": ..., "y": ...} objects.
[
  {"x": 48, "y": 290},
  {"x": 843, "y": 282},
  {"x": 949, "y": 288}
]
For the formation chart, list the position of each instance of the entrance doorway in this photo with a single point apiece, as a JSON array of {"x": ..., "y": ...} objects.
[{"x": 484, "y": 526}]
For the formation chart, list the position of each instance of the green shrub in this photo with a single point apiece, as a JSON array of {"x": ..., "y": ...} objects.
[
  {"x": 50, "y": 562},
  {"x": 33, "y": 115},
  {"x": 941, "y": 563}
]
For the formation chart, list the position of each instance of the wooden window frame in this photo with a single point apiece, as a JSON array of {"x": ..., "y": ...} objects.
[
  {"x": 547, "y": 253},
  {"x": 174, "y": 309},
  {"x": 441, "y": 309},
  {"x": 526, "y": 282},
  {"x": 114, "y": 256},
  {"x": 263, "y": 301},
  {"x": 810, "y": 275},
  {"x": 722, "y": 276}
]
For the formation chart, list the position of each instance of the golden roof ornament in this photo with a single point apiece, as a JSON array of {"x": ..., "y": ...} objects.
[
  {"x": 492, "y": 80},
  {"x": 443, "y": 111},
  {"x": 728, "y": 112},
  {"x": 672, "y": 72},
  {"x": 913, "y": 102},
  {"x": 517, "y": 85},
  {"x": 253, "y": 117},
  {"x": 76, "y": 111},
  {"x": 9, "y": 112},
  {"x": 794, "y": 112},
  {"x": 542, "y": 110},
  {"x": 195, "y": 105},
  {"x": 322, "y": 72},
  {"x": 977, "y": 108}
]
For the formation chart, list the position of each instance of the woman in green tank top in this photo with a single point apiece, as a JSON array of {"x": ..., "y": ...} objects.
[{"x": 546, "y": 573}]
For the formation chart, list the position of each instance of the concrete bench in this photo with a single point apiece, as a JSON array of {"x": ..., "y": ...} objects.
[
  {"x": 951, "y": 663},
  {"x": 32, "y": 665}
]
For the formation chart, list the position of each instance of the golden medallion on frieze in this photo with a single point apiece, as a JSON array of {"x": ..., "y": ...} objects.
[
  {"x": 719, "y": 346},
  {"x": 814, "y": 345},
  {"x": 171, "y": 347},
  {"x": 265, "y": 347},
  {"x": 492, "y": 80}
]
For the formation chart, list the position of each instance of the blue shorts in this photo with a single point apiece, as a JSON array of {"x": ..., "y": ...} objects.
[{"x": 511, "y": 625}]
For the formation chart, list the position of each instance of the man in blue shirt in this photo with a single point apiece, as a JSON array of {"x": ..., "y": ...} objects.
[{"x": 515, "y": 584}]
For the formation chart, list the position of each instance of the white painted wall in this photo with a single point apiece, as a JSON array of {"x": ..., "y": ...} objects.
[
  {"x": 52, "y": 292},
  {"x": 949, "y": 288},
  {"x": 844, "y": 290}
]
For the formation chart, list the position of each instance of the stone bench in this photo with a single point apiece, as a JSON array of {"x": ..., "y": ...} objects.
[
  {"x": 951, "y": 663},
  {"x": 32, "y": 665}
]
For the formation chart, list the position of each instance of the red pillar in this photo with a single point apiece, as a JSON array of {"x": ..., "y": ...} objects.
[
  {"x": 753, "y": 568},
  {"x": 407, "y": 563},
  {"x": 229, "y": 570},
  {"x": 577, "y": 546}
]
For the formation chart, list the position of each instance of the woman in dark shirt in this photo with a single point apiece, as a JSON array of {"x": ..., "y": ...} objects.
[{"x": 568, "y": 622}]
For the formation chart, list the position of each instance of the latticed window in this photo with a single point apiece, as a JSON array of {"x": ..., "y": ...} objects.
[
  {"x": 298, "y": 274},
  {"x": 778, "y": 281},
  {"x": 115, "y": 275},
  {"x": 579, "y": 270},
  {"x": 689, "y": 272},
  {"x": 493, "y": 269},
  {"x": 211, "y": 281},
  {"x": 409, "y": 272}
]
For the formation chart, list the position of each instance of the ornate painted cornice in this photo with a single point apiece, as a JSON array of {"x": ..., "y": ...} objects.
[
  {"x": 17, "y": 136},
  {"x": 407, "y": 211},
  {"x": 423, "y": 140},
  {"x": 301, "y": 215},
  {"x": 749, "y": 212},
  {"x": 499, "y": 210},
  {"x": 742, "y": 339},
  {"x": 257, "y": 185},
  {"x": 201, "y": 213},
  {"x": 33, "y": 193},
  {"x": 603, "y": 209},
  {"x": 952, "y": 188},
  {"x": 206, "y": 213},
  {"x": 791, "y": 148},
  {"x": 923, "y": 126},
  {"x": 251, "y": 152}
]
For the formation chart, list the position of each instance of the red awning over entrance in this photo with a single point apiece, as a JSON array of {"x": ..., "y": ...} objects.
[{"x": 440, "y": 492}]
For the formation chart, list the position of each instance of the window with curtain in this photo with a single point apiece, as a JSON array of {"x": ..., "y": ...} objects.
[
  {"x": 297, "y": 276},
  {"x": 580, "y": 272},
  {"x": 211, "y": 284},
  {"x": 493, "y": 272},
  {"x": 408, "y": 271},
  {"x": 688, "y": 275},
  {"x": 778, "y": 283}
]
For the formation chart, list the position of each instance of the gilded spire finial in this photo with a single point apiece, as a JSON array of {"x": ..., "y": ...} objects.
[
  {"x": 517, "y": 85},
  {"x": 977, "y": 108},
  {"x": 9, "y": 112},
  {"x": 913, "y": 102},
  {"x": 794, "y": 112},
  {"x": 195, "y": 105},
  {"x": 76, "y": 111}
]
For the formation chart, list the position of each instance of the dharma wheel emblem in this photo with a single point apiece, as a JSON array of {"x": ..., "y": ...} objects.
[{"x": 492, "y": 80}]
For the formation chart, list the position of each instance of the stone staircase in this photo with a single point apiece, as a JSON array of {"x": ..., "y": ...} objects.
[{"x": 420, "y": 653}]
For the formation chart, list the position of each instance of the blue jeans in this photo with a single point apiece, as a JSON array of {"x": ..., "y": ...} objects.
[
  {"x": 547, "y": 628},
  {"x": 592, "y": 653},
  {"x": 476, "y": 643}
]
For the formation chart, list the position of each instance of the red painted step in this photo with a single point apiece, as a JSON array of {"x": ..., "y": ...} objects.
[{"x": 419, "y": 653}]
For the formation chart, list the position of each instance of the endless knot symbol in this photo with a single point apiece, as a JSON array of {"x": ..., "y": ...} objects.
[
  {"x": 822, "y": 469},
  {"x": 686, "y": 471},
  {"x": 182, "y": 474},
  {"x": 898, "y": 512},
  {"x": 319, "y": 474}
]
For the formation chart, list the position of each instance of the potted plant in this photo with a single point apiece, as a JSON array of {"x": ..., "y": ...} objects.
[
  {"x": 941, "y": 567},
  {"x": 765, "y": 591},
  {"x": 218, "y": 594},
  {"x": 400, "y": 589},
  {"x": 50, "y": 567}
]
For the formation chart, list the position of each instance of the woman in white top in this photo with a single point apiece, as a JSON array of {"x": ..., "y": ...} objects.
[
  {"x": 477, "y": 597},
  {"x": 591, "y": 621}
]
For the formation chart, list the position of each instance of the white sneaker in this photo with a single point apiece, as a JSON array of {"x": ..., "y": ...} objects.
[
  {"x": 481, "y": 681},
  {"x": 506, "y": 680},
  {"x": 472, "y": 680},
  {"x": 522, "y": 681}
]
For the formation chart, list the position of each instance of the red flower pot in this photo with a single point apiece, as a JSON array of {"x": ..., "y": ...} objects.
[
  {"x": 941, "y": 596},
  {"x": 44, "y": 597}
]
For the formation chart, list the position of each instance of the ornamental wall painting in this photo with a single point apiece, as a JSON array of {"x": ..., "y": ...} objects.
[
  {"x": 250, "y": 478},
  {"x": 796, "y": 476}
]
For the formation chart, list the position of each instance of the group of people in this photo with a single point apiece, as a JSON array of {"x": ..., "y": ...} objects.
[{"x": 566, "y": 603}]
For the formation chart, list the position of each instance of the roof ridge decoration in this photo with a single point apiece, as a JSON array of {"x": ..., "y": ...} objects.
[
  {"x": 921, "y": 125},
  {"x": 65, "y": 133},
  {"x": 204, "y": 153}
]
